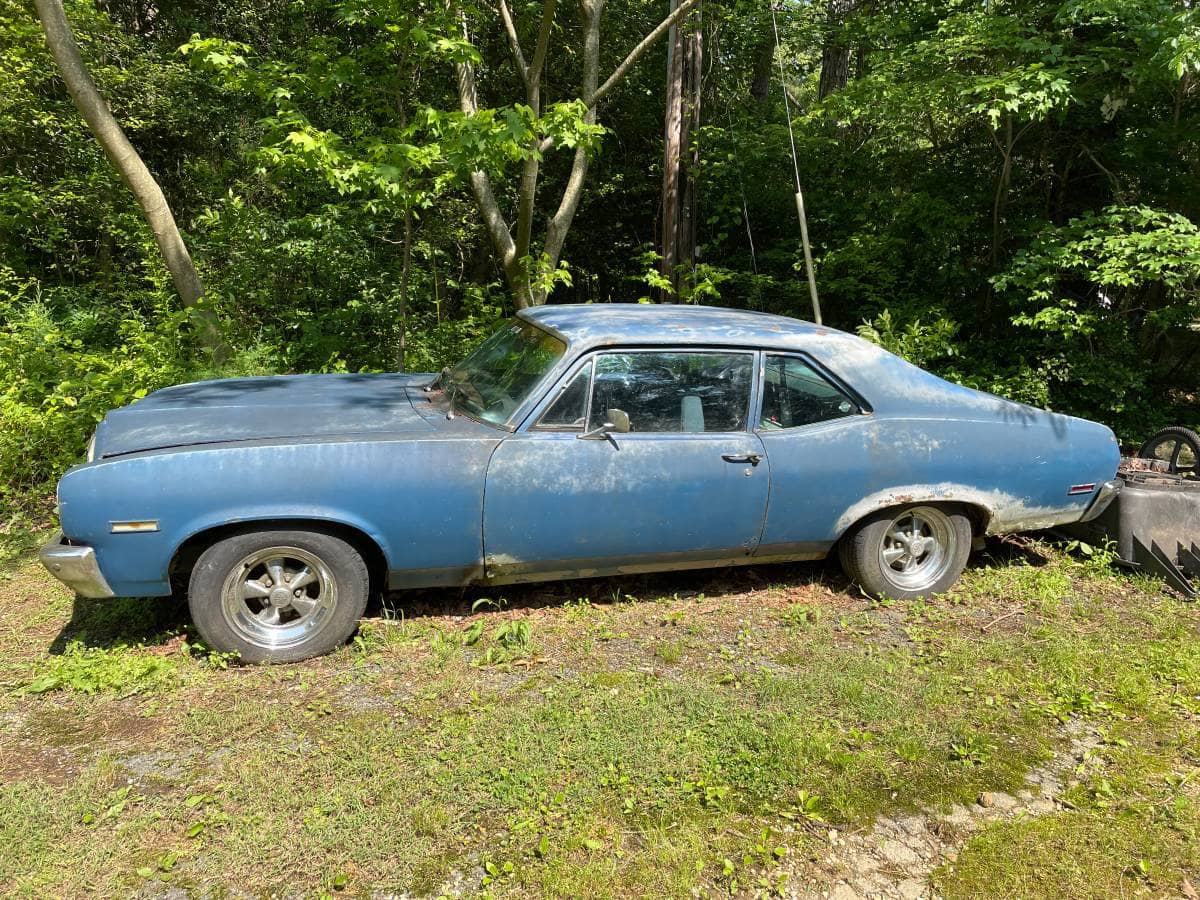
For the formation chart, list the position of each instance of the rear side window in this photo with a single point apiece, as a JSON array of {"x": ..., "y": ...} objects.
[
  {"x": 674, "y": 391},
  {"x": 795, "y": 394}
]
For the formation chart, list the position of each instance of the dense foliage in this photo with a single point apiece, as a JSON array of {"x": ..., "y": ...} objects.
[{"x": 1007, "y": 192}]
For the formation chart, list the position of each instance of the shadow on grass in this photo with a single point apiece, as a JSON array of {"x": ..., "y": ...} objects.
[
  {"x": 715, "y": 583},
  {"x": 122, "y": 621},
  {"x": 1006, "y": 550},
  {"x": 154, "y": 621},
  {"x": 1015, "y": 550}
]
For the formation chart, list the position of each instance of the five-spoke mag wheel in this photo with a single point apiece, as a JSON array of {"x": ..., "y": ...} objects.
[
  {"x": 917, "y": 547},
  {"x": 278, "y": 596},
  {"x": 912, "y": 552}
]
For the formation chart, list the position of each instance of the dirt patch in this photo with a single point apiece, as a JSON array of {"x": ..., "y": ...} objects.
[
  {"x": 55, "y": 742},
  {"x": 24, "y": 758},
  {"x": 894, "y": 858}
]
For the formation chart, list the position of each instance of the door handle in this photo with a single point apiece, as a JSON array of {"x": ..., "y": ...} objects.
[{"x": 753, "y": 458}]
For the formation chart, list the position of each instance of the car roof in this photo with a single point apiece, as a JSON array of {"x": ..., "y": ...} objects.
[
  {"x": 599, "y": 324},
  {"x": 887, "y": 382}
]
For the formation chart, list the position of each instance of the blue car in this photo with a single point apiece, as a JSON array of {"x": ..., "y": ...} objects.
[{"x": 576, "y": 441}]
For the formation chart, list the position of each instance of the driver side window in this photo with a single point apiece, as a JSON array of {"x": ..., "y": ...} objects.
[
  {"x": 569, "y": 411},
  {"x": 673, "y": 391}
]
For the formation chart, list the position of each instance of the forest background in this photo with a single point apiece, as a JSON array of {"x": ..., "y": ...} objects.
[{"x": 1005, "y": 192}]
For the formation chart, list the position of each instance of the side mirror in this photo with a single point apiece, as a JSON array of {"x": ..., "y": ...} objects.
[{"x": 616, "y": 422}]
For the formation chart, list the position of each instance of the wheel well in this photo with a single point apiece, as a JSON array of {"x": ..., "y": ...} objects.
[
  {"x": 977, "y": 515},
  {"x": 190, "y": 550}
]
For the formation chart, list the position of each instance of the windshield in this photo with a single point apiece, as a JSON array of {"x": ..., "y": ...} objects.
[{"x": 498, "y": 376}]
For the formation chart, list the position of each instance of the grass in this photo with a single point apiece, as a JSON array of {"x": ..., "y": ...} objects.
[{"x": 637, "y": 737}]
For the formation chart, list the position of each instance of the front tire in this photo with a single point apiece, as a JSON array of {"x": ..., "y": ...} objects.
[
  {"x": 903, "y": 554},
  {"x": 278, "y": 596}
]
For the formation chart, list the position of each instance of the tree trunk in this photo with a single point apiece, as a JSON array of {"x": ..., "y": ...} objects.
[
  {"x": 684, "y": 57},
  {"x": 835, "y": 55},
  {"x": 129, "y": 166},
  {"x": 513, "y": 249},
  {"x": 764, "y": 67},
  {"x": 405, "y": 272}
]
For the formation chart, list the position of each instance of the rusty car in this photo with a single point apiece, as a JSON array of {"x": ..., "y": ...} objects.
[{"x": 575, "y": 441}]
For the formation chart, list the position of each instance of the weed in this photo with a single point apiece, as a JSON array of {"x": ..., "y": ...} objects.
[
  {"x": 513, "y": 635},
  {"x": 710, "y": 795},
  {"x": 369, "y": 638},
  {"x": 801, "y": 615},
  {"x": 970, "y": 748},
  {"x": 670, "y": 652},
  {"x": 213, "y": 659},
  {"x": 474, "y": 632},
  {"x": 578, "y": 609},
  {"x": 121, "y": 669},
  {"x": 806, "y": 806},
  {"x": 443, "y": 646}
]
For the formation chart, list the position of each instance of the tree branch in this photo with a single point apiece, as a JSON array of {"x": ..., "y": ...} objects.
[
  {"x": 514, "y": 42},
  {"x": 527, "y": 192},
  {"x": 468, "y": 98},
  {"x": 1112, "y": 179},
  {"x": 481, "y": 187},
  {"x": 639, "y": 51},
  {"x": 560, "y": 222},
  {"x": 539, "y": 50}
]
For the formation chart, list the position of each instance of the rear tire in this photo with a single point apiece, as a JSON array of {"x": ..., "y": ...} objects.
[
  {"x": 278, "y": 596},
  {"x": 907, "y": 553}
]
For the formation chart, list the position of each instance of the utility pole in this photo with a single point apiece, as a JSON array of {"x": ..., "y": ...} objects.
[{"x": 685, "y": 56}]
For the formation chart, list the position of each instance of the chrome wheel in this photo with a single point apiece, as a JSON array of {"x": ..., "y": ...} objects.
[
  {"x": 278, "y": 597},
  {"x": 918, "y": 547}
]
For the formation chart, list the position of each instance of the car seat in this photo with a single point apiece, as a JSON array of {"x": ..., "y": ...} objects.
[{"x": 691, "y": 414}]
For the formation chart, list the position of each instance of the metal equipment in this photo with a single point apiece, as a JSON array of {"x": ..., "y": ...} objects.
[{"x": 1155, "y": 519}]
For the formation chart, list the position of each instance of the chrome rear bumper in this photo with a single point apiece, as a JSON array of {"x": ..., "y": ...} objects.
[
  {"x": 76, "y": 567},
  {"x": 1104, "y": 496}
]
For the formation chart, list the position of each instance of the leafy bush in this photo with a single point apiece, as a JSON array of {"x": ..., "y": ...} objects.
[
  {"x": 919, "y": 344},
  {"x": 1094, "y": 301},
  {"x": 63, "y": 364}
]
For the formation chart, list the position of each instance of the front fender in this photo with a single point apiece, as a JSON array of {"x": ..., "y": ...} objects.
[{"x": 421, "y": 501}]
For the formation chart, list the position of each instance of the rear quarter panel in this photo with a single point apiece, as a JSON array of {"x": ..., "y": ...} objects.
[{"x": 928, "y": 440}]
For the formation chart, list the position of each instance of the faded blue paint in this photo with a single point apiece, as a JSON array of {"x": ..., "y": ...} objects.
[
  {"x": 281, "y": 406},
  {"x": 377, "y": 454},
  {"x": 650, "y": 495}
]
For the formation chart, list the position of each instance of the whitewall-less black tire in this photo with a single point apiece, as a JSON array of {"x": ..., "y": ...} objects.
[
  {"x": 278, "y": 596},
  {"x": 916, "y": 551}
]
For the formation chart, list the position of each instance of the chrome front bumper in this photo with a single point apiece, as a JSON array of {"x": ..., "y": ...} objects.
[{"x": 76, "y": 567}]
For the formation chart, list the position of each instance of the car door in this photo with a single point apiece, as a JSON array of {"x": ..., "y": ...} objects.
[{"x": 685, "y": 486}]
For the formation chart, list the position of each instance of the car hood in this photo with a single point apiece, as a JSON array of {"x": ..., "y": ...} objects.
[{"x": 275, "y": 407}]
